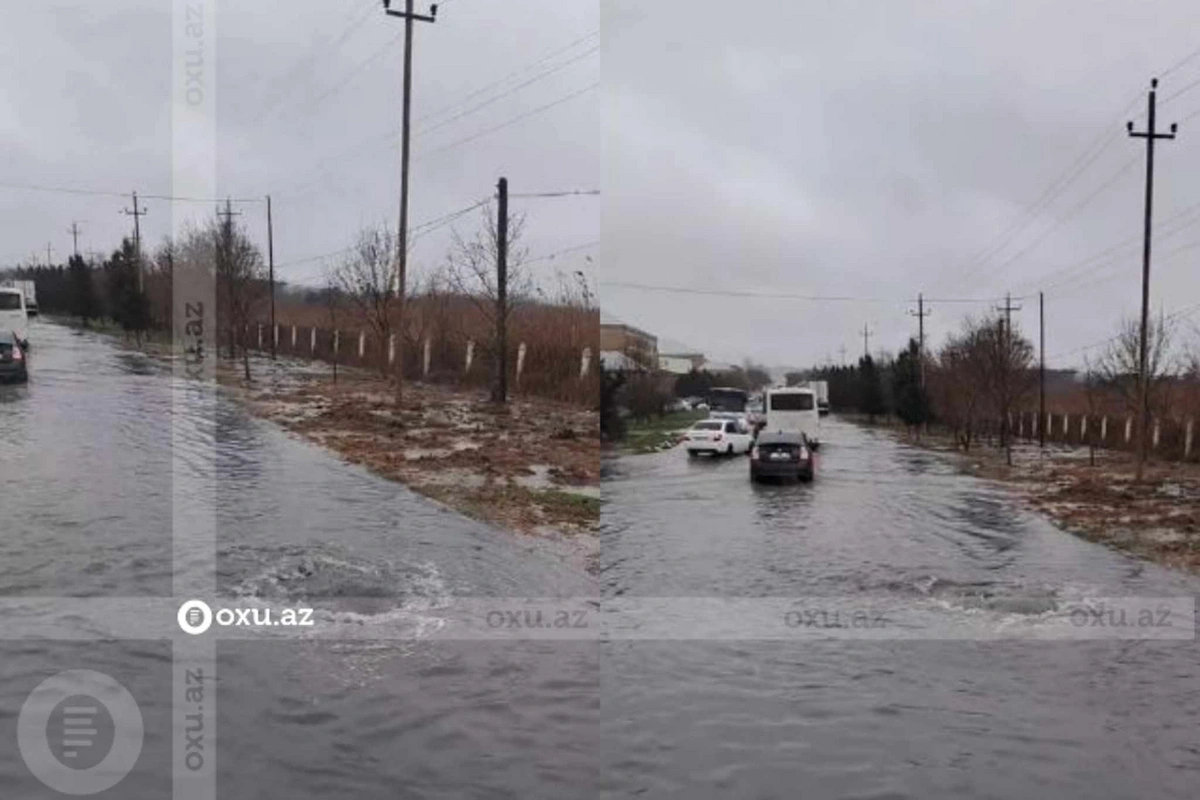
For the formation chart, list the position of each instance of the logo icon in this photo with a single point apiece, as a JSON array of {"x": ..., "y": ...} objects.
[
  {"x": 195, "y": 617},
  {"x": 80, "y": 732}
]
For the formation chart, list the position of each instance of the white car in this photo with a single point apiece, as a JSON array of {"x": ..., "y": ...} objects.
[
  {"x": 718, "y": 437},
  {"x": 13, "y": 314}
]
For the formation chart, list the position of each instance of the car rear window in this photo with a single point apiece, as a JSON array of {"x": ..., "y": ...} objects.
[
  {"x": 10, "y": 301},
  {"x": 708, "y": 426},
  {"x": 792, "y": 402}
]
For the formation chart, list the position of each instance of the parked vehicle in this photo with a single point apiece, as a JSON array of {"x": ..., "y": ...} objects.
[
  {"x": 822, "y": 388},
  {"x": 781, "y": 454},
  {"x": 794, "y": 409},
  {"x": 13, "y": 361},
  {"x": 29, "y": 288},
  {"x": 14, "y": 318},
  {"x": 718, "y": 437}
]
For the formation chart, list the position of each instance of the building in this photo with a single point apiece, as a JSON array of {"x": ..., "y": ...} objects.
[
  {"x": 677, "y": 358},
  {"x": 637, "y": 348}
]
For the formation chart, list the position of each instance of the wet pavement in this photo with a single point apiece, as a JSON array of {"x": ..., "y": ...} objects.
[
  {"x": 388, "y": 710},
  {"x": 914, "y": 713}
]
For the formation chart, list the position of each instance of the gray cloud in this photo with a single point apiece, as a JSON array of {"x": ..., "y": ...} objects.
[{"x": 874, "y": 149}]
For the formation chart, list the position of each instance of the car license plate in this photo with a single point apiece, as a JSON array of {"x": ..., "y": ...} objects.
[{"x": 780, "y": 455}]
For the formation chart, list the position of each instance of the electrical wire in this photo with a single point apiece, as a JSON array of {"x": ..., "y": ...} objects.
[
  {"x": 794, "y": 296},
  {"x": 123, "y": 195}
]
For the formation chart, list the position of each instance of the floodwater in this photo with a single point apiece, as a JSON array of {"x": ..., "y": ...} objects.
[
  {"x": 393, "y": 709},
  {"x": 914, "y": 714}
]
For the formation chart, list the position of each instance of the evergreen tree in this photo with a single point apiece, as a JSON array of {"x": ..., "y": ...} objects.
[
  {"x": 870, "y": 388},
  {"x": 82, "y": 291},
  {"x": 912, "y": 402},
  {"x": 130, "y": 307}
]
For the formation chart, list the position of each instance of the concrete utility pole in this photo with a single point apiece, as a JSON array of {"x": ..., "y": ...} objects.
[
  {"x": 271, "y": 262},
  {"x": 49, "y": 258},
  {"x": 921, "y": 314},
  {"x": 1150, "y": 135},
  {"x": 1008, "y": 308},
  {"x": 137, "y": 240},
  {"x": 866, "y": 341},
  {"x": 1041, "y": 426},
  {"x": 402, "y": 249},
  {"x": 842, "y": 350},
  {"x": 501, "y": 393}
]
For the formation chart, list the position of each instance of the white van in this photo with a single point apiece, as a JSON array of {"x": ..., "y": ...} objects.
[
  {"x": 13, "y": 314},
  {"x": 794, "y": 408}
]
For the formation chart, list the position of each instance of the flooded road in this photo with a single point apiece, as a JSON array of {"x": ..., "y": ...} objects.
[
  {"x": 911, "y": 714},
  {"x": 86, "y": 512}
]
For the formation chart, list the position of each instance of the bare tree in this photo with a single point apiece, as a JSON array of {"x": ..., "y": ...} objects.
[
  {"x": 367, "y": 278},
  {"x": 1119, "y": 367},
  {"x": 1093, "y": 388},
  {"x": 242, "y": 276},
  {"x": 1006, "y": 360},
  {"x": 333, "y": 302},
  {"x": 471, "y": 270}
]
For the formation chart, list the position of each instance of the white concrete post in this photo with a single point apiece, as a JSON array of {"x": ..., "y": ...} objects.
[
  {"x": 337, "y": 341},
  {"x": 585, "y": 362},
  {"x": 1154, "y": 441},
  {"x": 1049, "y": 424},
  {"x": 1021, "y": 426},
  {"x": 1104, "y": 428},
  {"x": 1128, "y": 428},
  {"x": 470, "y": 354},
  {"x": 392, "y": 349},
  {"x": 520, "y": 362},
  {"x": 260, "y": 336},
  {"x": 1187, "y": 439},
  {"x": 293, "y": 337},
  {"x": 1083, "y": 423},
  {"x": 362, "y": 343},
  {"x": 425, "y": 368},
  {"x": 275, "y": 336},
  {"x": 312, "y": 341}
]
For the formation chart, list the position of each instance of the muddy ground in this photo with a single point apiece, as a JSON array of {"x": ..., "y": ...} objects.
[
  {"x": 532, "y": 467},
  {"x": 1157, "y": 519}
]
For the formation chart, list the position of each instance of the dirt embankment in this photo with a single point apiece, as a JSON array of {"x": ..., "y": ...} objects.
[{"x": 1156, "y": 519}]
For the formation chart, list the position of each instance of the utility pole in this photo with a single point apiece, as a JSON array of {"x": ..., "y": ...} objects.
[
  {"x": 1150, "y": 135},
  {"x": 1041, "y": 426},
  {"x": 271, "y": 261},
  {"x": 49, "y": 258},
  {"x": 842, "y": 350},
  {"x": 402, "y": 249},
  {"x": 137, "y": 240},
  {"x": 501, "y": 393},
  {"x": 75, "y": 237},
  {"x": 224, "y": 264},
  {"x": 1006, "y": 352},
  {"x": 921, "y": 314},
  {"x": 866, "y": 341}
]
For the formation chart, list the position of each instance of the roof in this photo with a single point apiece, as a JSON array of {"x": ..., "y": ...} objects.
[
  {"x": 671, "y": 347},
  {"x": 614, "y": 360},
  {"x": 608, "y": 319}
]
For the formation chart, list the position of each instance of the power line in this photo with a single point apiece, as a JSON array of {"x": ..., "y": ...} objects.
[
  {"x": 574, "y": 193},
  {"x": 102, "y": 193},
  {"x": 794, "y": 296},
  {"x": 507, "y": 93},
  {"x": 557, "y": 253},
  {"x": 508, "y": 123}
]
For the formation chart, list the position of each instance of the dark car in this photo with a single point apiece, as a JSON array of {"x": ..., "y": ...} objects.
[
  {"x": 783, "y": 455},
  {"x": 12, "y": 359}
]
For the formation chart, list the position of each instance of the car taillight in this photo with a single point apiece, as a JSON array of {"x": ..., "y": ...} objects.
[
  {"x": 17, "y": 354},
  {"x": 754, "y": 454}
]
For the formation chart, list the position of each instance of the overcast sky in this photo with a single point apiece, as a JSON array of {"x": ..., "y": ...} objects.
[
  {"x": 873, "y": 150},
  {"x": 308, "y": 110}
]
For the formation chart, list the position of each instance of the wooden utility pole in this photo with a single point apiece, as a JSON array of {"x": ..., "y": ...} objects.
[
  {"x": 402, "y": 249},
  {"x": 271, "y": 262},
  {"x": 1041, "y": 426},
  {"x": 1150, "y": 135},
  {"x": 137, "y": 240},
  {"x": 500, "y": 395},
  {"x": 921, "y": 314}
]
